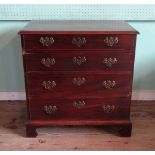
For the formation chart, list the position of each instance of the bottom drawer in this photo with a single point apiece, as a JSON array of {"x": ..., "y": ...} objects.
[{"x": 79, "y": 109}]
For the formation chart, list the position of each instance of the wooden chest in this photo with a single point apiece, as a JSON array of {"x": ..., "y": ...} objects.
[{"x": 78, "y": 73}]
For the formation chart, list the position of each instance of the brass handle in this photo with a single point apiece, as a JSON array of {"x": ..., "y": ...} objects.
[
  {"x": 79, "y": 81},
  {"x": 50, "y": 109},
  {"x": 49, "y": 85},
  {"x": 48, "y": 62},
  {"x": 79, "y": 41},
  {"x": 108, "y": 108},
  {"x": 110, "y": 61},
  {"x": 111, "y": 41},
  {"x": 46, "y": 41},
  {"x": 109, "y": 84},
  {"x": 79, "y": 60},
  {"x": 79, "y": 104}
]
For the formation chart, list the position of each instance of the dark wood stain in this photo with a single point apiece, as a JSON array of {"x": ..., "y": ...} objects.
[
  {"x": 78, "y": 137},
  {"x": 93, "y": 42},
  {"x": 85, "y": 40},
  {"x": 94, "y": 61}
]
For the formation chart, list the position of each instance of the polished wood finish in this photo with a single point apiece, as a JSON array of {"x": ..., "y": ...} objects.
[
  {"x": 78, "y": 74},
  {"x": 124, "y": 127},
  {"x": 92, "y": 41},
  {"x": 83, "y": 138},
  {"x": 78, "y": 26},
  {"x": 93, "y": 83},
  {"x": 64, "y": 60},
  {"x": 92, "y": 110}
]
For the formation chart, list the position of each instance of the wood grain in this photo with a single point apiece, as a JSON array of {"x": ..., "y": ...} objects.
[
  {"x": 84, "y": 26},
  {"x": 45, "y": 37},
  {"x": 68, "y": 113},
  {"x": 65, "y": 61},
  {"x": 12, "y": 132},
  {"x": 93, "y": 85},
  {"x": 93, "y": 42}
]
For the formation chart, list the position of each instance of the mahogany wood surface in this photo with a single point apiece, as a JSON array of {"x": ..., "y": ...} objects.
[
  {"x": 84, "y": 135},
  {"x": 64, "y": 61},
  {"x": 124, "y": 126},
  {"x": 92, "y": 41},
  {"x": 92, "y": 110},
  {"x": 77, "y": 26},
  {"x": 65, "y": 86},
  {"x": 67, "y": 80}
]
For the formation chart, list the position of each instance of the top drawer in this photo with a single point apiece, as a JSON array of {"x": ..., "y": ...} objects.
[{"x": 81, "y": 41}]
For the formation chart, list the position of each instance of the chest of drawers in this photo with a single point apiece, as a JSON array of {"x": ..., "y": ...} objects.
[{"x": 78, "y": 73}]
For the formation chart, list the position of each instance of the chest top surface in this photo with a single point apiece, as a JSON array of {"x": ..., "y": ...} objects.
[{"x": 78, "y": 26}]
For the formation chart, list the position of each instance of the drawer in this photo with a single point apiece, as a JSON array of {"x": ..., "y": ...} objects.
[
  {"x": 81, "y": 41},
  {"x": 78, "y": 84},
  {"x": 79, "y": 61},
  {"x": 79, "y": 109}
]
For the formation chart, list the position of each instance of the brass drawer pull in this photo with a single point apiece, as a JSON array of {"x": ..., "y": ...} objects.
[
  {"x": 79, "y": 41},
  {"x": 50, "y": 109},
  {"x": 111, "y": 41},
  {"x": 109, "y": 84},
  {"x": 48, "y": 62},
  {"x": 79, "y": 60},
  {"x": 79, "y": 104},
  {"x": 108, "y": 108},
  {"x": 110, "y": 61},
  {"x": 49, "y": 85},
  {"x": 46, "y": 41},
  {"x": 79, "y": 81}
]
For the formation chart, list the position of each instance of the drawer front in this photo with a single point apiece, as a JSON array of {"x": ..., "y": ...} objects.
[
  {"x": 79, "y": 61},
  {"x": 89, "y": 41},
  {"x": 79, "y": 109},
  {"x": 77, "y": 84}
]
